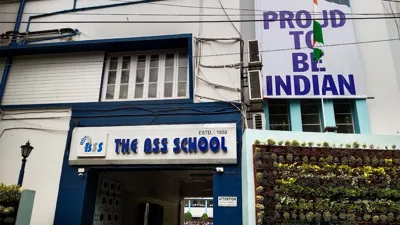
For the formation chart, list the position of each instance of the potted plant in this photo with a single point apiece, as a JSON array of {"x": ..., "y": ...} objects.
[
  {"x": 280, "y": 143},
  {"x": 310, "y": 217},
  {"x": 259, "y": 199},
  {"x": 286, "y": 216},
  {"x": 383, "y": 218},
  {"x": 302, "y": 217},
  {"x": 318, "y": 217},
  {"x": 375, "y": 219},
  {"x": 294, "y": 215},
  {"x": 271, "y": 142},
  {"x": 367, "y": 218},
  {"x": 327, "y": 216},
  {"x": 390, "y": 217}
]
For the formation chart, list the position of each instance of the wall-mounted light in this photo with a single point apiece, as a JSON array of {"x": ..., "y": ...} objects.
[{"x": 219, "y": 169}]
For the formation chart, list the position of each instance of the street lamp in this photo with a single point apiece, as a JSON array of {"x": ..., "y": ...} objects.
[{"x": 25, "y": 152}]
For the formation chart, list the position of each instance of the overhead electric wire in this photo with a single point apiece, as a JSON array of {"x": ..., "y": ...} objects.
[
  {"x": 238, "y": 53},
  {"x": 177, "y": 14},
  {"x": 196, "y": 21}
]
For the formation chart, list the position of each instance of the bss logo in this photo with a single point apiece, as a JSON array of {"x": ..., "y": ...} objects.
[{"x": 89, "y": 146}]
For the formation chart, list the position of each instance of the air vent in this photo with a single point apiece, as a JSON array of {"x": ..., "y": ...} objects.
[
  {"x": 259, "y": 121},
  {"x": 255, "y": 90},
  {"x": 254, "y": 55}
]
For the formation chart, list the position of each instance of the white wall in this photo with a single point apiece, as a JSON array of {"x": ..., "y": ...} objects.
[
  {"x": 47, "y": 132},
  {"x": 379, "y": 66},
  {"x": 8, "y": 12},
  {"x": 229, "y": 77},
  {"x": 54, "y": 79}
]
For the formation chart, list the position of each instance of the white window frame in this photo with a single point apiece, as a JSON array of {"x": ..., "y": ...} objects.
[{"x": 132, "y": 75}]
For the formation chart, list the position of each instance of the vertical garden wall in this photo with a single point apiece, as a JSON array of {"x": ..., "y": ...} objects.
[{"x": 322, "y": 184}]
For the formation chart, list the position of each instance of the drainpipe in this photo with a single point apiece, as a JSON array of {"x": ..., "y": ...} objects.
[
  {"x": 13, "y": 42},
  {"x": 74, "y": 4}
]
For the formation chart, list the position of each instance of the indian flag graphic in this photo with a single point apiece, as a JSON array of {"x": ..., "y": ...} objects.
[
  {"x": 340, "y": 2},
  {"x": 318, "y": 40}
]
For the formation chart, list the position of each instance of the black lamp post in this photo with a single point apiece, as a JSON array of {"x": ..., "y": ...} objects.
[{"x": 25, "y": 152}]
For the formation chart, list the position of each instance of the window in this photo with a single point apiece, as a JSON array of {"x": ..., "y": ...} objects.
[
  {"x": 343, "y": 116},
  {"x": 310, "y": 115},
  {"x": 146, "y": 77},
  {"x": 210, "y": 203},
  {"x": 187, "y": 203},
  {"x": 278, "y": 114}
]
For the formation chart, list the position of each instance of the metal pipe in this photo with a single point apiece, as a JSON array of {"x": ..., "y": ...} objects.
[
  {"x": 74, "y": 4},
  {"x": 18, "y": 21},
  {"x": 21, "y": 172},
  {"x": 51, "y": 38},
  {"x": 84, "y": 9},
  {"x": 5, "y": 76}
]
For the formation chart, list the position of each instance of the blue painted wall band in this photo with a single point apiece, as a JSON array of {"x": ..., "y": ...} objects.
[
  {"x": 295, "y": 115},
  {"x": 361, "y": 117}
]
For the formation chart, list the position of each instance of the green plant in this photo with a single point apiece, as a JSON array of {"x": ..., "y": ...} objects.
[
  {"x": 257, "y": 142},
  {"x": 334, "y": 217},
  {"x": 260, "y": 206},
  {"x": 274, "y": 157},
  {"x": 374, "y": 161},
  {"x": 322, "y": 159},
  {"x": 352, "y": 160},
  {"x": 286, "y": 216},
  {"x": 367, "y": 160},
  {"x": 310, "y": 217},
  {"x": 371, "y": 146},
  {"x": 204, "y": 217},
  {"x": 359, "y": 161},
  {"x": 356, "y": 145},
  {"x": 271, "y": 142},
  {"x": 289, "y": 157},
  {"x": 295, "y": 143},
  {"x": 375, "y": 219},
  {"x": 303, "y": 144},
  {"x": 280, "y": 143},
  {"x": 325, "y": 144},
  {"x": 394, "y": 147},
  {"x": 259, "y": 177},
  {"x": 367, "y": 217},
  {"x": 318, "y": 217},
  {"x": 329, "y": 159},
  {"x": 305, "y": 159},
  {"x": 390, "y": 217},
  {"x": 313, "y": 159},
  {"x": 351, "y": 217},
  {"x": 333, "y": 145},
  {"x": 342, "y": 216},
  {"x": 188, "y": 216},
  {"x": 302, "y": 217},
  {"x": 288, "y": 143},
  {"x": 257, "y": 153},
  {"x": 259, "y": 199},
  {"x": 319, "y": 145},
  {"x": 383, "y": 218},
  {"x": 348, "y": 146},
  {"x": 281, "y": 158},
  {"x": 341, "y": 146},
  {"x": 364, "y": 146},
  {"x": 310, "y": 144},
  {"x": 327, "y": 216},
  {"x": 278, "y": 206},
  {"x": 344, "y": 160},
  {"x": 260, "y": 190}
]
